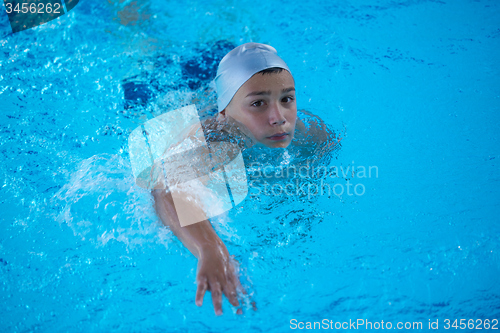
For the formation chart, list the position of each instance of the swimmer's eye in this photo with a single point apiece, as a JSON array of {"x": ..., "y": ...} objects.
[
  {"x": 258, "y": 103},
  {"x": 287, "y": 99}
]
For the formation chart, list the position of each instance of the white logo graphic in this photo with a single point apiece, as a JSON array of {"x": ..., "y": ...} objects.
[{"x": 205, "y": 180}]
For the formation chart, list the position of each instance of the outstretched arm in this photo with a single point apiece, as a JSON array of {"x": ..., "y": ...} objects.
[{"x": 215, "y": 273}]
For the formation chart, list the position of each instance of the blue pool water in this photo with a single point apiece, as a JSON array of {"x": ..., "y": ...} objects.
[{"x": 411, "y": 86}]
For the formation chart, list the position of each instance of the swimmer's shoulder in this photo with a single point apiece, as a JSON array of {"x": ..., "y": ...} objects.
[
  {"x": 208, "y": 125},
  {"x": 192, "y": 132},
  {"x": 201, "y": 137}
]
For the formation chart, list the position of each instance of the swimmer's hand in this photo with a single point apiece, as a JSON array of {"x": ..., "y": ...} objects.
[
  {"x": 216, "y": 270},
  {"x": 217, "y": 274}
]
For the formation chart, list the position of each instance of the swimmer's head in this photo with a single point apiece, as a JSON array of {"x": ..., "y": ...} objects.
[{"x": 256, "y": 88}]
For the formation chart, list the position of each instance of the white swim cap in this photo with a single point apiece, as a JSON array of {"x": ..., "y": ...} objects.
[{"x": 241, "y": 64}]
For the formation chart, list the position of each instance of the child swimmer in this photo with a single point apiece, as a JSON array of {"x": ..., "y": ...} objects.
[{"x": 255, "y": 95}]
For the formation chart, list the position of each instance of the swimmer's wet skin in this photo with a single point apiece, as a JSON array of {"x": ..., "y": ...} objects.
[{"x": 257, "y": 91}]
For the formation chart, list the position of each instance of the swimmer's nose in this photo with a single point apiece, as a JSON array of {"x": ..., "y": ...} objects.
[{"x": 276, "y": 116}]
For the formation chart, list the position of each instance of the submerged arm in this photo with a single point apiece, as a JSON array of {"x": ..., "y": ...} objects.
[{"x": 314, "y": 133}]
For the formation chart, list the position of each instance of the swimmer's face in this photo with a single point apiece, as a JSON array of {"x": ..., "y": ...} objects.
[{"x": 266, "y": 105}]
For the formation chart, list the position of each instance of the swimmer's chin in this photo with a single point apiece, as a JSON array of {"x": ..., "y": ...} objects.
[
  {"x": 279, "y": 144},
  {"x": 255, "y": 142}
]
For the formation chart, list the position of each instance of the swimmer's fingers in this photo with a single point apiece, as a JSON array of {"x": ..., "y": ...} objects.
[
  {"x": 244, "y": 293},
  {"x": 254, "y": 305},
  {"x": 232, "y": 288},
  {"x": 200, "y": 292},
  {"x": 215, "y": 289},
  {"x": 231, "y": 294},
  {"x": 239, "y": 287}
]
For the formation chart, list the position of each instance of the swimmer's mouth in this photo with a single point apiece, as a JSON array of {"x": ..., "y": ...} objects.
[{"x": 279, "y": 136}]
